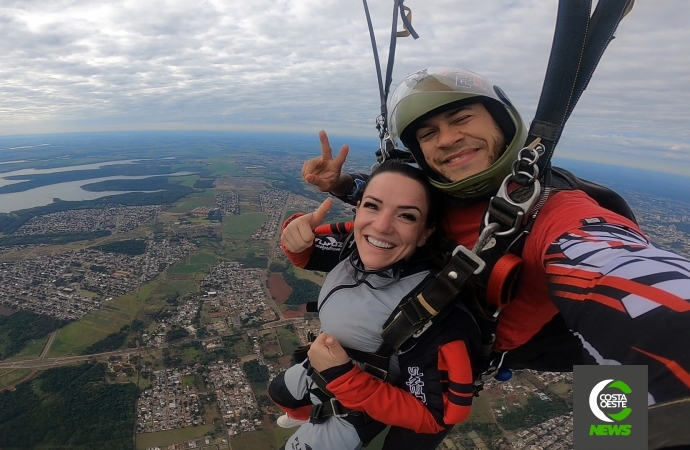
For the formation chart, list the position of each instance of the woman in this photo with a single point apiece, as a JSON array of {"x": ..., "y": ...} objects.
[{"x": 423, "y": 394}]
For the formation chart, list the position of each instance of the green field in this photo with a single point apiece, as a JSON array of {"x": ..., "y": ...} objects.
[
  {"x": 241, "y": 227},
  {"x": 184, "y": 180},
  {"x": 170, "y": 437},
  {"x": 113, "y": 315},
  {"x": 311, "y": 275},
  {"x": 560, "y": 388},
  {"x": 227, "y": 168},
  {"x": 169, "y": 287},
  {"x": 288, "y": 340},
  {"x": 481, "y": 409},
  {"x": 188, "y": 381},
  {"x": 9, "y": 377},
  {"x": 206, "y": 195},
  {"x": 194, "y": 200},
  {"x": 185, "y": 268},
  {"x": 32, "y": 350},
  {"x": 203, "y": 258},
  {"x": 261, "y": 439}
]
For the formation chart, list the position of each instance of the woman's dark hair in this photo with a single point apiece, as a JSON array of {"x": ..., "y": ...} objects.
[{"x": 434, "y": 198}]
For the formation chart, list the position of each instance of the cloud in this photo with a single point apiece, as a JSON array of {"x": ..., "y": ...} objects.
[{"x": 76, "y": 65}]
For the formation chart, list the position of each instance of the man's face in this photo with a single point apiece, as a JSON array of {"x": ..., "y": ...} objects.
[{"x": 461, "y": 142}]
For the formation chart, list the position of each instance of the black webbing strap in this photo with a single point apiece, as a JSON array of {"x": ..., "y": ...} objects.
[
  {"x": 332, "y": 408},
  {"x": 443, "y": 289},
  {"x": 320, "y": 381},
  {"x": 578, "y": 44},
  {"x": 375, "y": 364}
]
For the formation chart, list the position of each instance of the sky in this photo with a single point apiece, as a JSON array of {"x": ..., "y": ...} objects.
[{"x": 306, "y": 65}]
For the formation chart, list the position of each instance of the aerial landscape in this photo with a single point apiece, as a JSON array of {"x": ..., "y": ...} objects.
[
  {"x": 151, "y": 152},
  {"x": 153, "y": 316}
]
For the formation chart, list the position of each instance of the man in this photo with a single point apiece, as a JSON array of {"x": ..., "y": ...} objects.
[{"x": 590, "y": 281}]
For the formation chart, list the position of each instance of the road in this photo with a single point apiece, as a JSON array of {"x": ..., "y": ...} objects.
[
  {"x": 282, "y": 322},
  {"x": 46, "y": 349},
  {"x": 48, "y": 363},
  {"x": 271, "y": 255}
]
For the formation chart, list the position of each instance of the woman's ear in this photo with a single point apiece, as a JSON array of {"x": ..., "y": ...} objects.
[{"x": 427, "y": 233}]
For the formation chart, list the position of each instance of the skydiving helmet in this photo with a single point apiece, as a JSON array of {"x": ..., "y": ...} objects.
[{"x": 431, "y": 91}]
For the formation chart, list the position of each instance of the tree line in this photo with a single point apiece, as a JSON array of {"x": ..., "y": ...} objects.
[
  {"x": 68, "y": 407},
  {"x": 21, "y": 327},
  {"x": 303, "y": 291}
]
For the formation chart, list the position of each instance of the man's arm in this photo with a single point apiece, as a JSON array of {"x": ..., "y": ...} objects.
[{"x": 627, "y": 301}]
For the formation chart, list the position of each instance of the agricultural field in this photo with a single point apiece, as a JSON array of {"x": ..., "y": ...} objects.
[
  {"x": 171, "y": 437},
  {"x": 288, "y": 340},
  {"x": 278, "y": 288},
  {"x": 227, "y": 168},
  {"x": 311, "y": 275},
  {"x": 173, "y": 286},
  {"x": 195, "y": 200},
  {"x": 241, "y": 227},
  {"x": 32, "y": 350},
  {"x": 113, "y": 315},
  {"x": 263, "y": 439},
  {"x": 10, "y": 377}
]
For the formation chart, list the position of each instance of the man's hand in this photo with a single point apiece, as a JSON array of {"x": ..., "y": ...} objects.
[
  {"x": 326, "y": 352},
  {"x": 324, "y": 172},
  {"x": 298, "y": 235}
]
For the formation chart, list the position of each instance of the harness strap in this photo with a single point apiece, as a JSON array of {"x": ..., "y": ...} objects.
[
  {"x": 375, "y": 364},
  {"x": 416, "y": 310},
  {"x": 332, "y": 408}
]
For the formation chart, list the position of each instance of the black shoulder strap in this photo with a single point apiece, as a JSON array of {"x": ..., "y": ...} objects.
[{"x": 578, "y": 44}]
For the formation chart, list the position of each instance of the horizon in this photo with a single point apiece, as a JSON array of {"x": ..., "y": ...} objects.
[
  {"x": 359, "y": 145},
  {"x": 290, "y": 67}
]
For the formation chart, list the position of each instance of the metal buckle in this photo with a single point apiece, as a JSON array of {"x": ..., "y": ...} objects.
[
  {"x": 336, "y": 408},
  {"x": 473, "y": 257},
  {"x": 525, "y": 206}
]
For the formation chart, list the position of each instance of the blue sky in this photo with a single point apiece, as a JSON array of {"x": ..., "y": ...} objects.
[{"x": 305, "y": 65}]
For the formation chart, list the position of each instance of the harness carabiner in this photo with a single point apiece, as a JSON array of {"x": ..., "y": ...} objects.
[{"x": 513, "y": 213}]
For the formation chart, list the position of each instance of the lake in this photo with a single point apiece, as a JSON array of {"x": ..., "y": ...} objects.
[{"x": 68, "y": 191}]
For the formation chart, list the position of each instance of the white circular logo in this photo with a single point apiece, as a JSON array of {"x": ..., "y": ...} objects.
[{"x": 593, "y": 400}]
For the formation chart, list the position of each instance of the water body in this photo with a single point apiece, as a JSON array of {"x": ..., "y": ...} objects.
[
  {"x": 68, "y": 191},
  {"x": 5, "y": 182}
]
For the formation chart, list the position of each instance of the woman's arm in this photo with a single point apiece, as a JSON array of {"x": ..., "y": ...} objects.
[
  {"x": 428, "y": 405},
  {"x": 304, "y": 242}
]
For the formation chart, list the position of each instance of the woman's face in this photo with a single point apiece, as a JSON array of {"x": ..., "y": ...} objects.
[{"x": 391, "y": 220}]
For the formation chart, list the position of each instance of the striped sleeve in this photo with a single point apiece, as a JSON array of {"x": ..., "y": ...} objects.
[{"x": 627, "y": 301}]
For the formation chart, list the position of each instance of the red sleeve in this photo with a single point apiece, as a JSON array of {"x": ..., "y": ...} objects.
[
  {"x": 297, "y": 259},
  {"x": 383, "y": 402},
  {"x": 395, "y": 406},
  {"x": 457, "y": 401}
]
